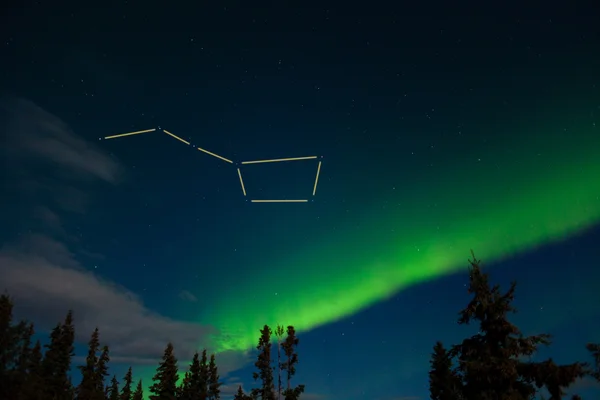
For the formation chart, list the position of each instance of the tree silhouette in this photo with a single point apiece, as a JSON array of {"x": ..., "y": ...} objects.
[
  {"x": 165, "y": 379},
  {"x": 102, "y": 369},
  {"x": 90, "y": 388},
  {"x": 139, "y": 392},
  {"x": 8, "y": 348},
  {"x": 34, "y": 384},
  {"x": 127, "y": 382},
  {"x": 279, "y": 331},
  {"x": 24, "y": 333},
  {"x": 183, "y": 390},
  {"x": 289, "y": 348},
  {"x": 28, "y": 373},
  {"x": 214, "y": 391},
  {"x": 203, "y": 376},
  {"x": 57, "y": 360},
  {"x": 594, "y": 350},
  {"x": 240, "y": 395},
  {"x": 263, "y": 364},
  {"x": 15, "y": 352},
  {"x": 191, "y": 387},
  {"x": 113, "y": 390},
  {"x": 443, "y": 382},
  {"x": 490, "y": 363}
]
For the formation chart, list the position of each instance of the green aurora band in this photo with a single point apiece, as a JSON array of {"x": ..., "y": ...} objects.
[{"x": 542, "y": 189}]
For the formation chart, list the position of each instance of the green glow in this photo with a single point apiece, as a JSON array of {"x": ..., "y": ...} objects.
[{"x": 547, "y": 189}]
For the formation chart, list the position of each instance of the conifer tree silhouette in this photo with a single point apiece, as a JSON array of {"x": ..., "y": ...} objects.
[
  {"x": 214, "y": 391},
  {"x": 113, "y": 390},
  {"x": 279, "y": 331},
  {"x": 263, "y": 364},
  {"x": 289, "y": 348},
  {"x": 90, "y": 388},
  {"x": 165, "y": 379},
  {"x": 139, "y": 392},
  {"x": 127, "y": 382},
  {"x": 490, "y": 364}
]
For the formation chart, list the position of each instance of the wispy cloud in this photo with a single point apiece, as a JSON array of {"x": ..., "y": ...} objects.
[
  {"x": 45, "y": 281},
  {"x": 33, "y": 132},
  {"x": 52, "y": 170},
  {"x": 188, "y": 296}
]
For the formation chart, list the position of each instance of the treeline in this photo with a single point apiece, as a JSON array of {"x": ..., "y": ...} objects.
[
  {"x": 42, "y": 372},
  {"x": 495, "y": 363}
]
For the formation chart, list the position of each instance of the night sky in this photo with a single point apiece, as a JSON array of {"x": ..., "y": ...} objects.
[{"x": 439, "y": 129}]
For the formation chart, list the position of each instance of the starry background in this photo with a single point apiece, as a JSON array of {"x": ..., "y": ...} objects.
[{"x": 441, "y": 130}]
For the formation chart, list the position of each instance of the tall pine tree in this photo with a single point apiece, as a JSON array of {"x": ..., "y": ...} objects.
[
  {"x": 203, "y": 375},
  {"x": 57, "y": 361},
  {"x": 263, "y": 364},
  {"x": 113, "y": 389},
  {"x": 101, "y": 371},
  {"x": 240, "y": 395},
  {"x": 24, "y": 332},
  {"x": 490, "y": 364},
  {"x": 8, "y": 349},
  {"x": 34, "y": 386},
  {"x": 289, "y": 347},
  {"x": 127, "y": 382},
  {"x": 214, "y": 391},
  {"x": 89, "y": 388},
  {"x": 15, "y": 343},
  {"x": 279, "y": 331},
  {"x": 183, "y": 390},
  {"x": 191, "y": 388},
  {"x": 165, "y": 379},
  {"x": 443, "y": 382},
  {"x": 138, "y": 394}
]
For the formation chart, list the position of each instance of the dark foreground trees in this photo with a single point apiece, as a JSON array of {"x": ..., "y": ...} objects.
[
  {"x": 494, "y": 364},
  {"x": 27, "y": 372}
]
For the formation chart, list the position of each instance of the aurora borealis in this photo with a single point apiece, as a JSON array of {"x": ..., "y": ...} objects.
[
  {"x": 532, "y": 203},
  {"x": 437, "y": 136}
]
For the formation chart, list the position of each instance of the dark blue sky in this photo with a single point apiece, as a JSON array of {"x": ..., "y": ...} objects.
[{"x": 425, "y": 117}]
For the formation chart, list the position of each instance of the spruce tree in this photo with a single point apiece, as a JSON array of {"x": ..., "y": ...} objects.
[
  {"x": 263, "y": 364},
  {"x": 490, "y": 365},
  {"x": 279, "y": 331},
  {"x": 127, "y": 381},
  {"x": 240, "y": 395},
  {"x": 552, "y": 376},
  {"x": 139, "y": 392},
  {"x": 183, "y": 391},
  {"x": 289, "y": 348},
  {"x": 203, "y": 376},
  {"x": 67, "y": 340},
  {"x": 57, "y": 360},
  {"x": 19, "y": 374},
  {"x": 214, "y": 391},
  {"x": 15, "y": 342},
  {"x": 50, "y": 364},
  {"x": 165, "y": 379},
  {"x": 101, "y": 371},
  {"x": 196, "y": 388},
  {"x": 113, "y": 391},
  {"x": 594, "y": 349},
  {"x": 34, "y": 386},
  {"x": 191, "y": 388},
  {"x": 443, "y": 383},
  {"x": 88, "y": 386},
  {"x": 8, "y": 349}
]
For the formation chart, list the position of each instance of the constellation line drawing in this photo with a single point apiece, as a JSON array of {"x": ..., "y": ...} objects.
[{"x": 239, "y": 172}]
